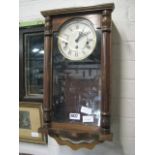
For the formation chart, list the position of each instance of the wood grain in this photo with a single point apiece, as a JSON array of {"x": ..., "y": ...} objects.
[{"x": 74, "y": 10}]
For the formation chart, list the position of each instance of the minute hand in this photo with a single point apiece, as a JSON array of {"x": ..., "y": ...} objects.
[
  {"x": 81, "y": 34},
  {"x": 62, "y": 39}
]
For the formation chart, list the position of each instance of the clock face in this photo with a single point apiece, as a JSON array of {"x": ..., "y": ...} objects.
[{"x": 77, "y": 39}]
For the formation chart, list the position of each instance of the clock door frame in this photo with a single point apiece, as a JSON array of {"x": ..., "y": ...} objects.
[
  {"x": 100, "y": 16},
  {"x": 23, "y": 31}
]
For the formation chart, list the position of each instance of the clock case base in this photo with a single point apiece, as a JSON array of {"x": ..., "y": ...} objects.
[
  {"x": 100, "y": 16},
  {"x": 76, "y": 138}
]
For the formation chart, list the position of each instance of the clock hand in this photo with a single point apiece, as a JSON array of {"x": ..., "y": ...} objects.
[
  {"x": 63, "y": 39},
  {"x": 86, "y": 33},
  {"x": 81, "y": 34}
]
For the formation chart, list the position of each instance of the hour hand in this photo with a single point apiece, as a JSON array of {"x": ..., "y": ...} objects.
[{"x": 79, "y": 36}]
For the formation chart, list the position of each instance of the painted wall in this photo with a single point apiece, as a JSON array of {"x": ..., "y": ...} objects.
[{"x": 123, "y": 77}]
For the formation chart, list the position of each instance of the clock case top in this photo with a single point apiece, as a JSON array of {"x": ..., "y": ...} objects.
[{"x": 100, "y": 17}]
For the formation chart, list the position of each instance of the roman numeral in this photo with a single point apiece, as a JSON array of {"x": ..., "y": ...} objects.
[
  {"x": 83, "y": 52},
  {"x": 76, "y": 54},
  {"x": 77, "y": 26},
  {"x": 70, "y": 29},
  {"x": 88, "y": 46},
  {"x": 90, "y": 40},
  {"x": 69, "y": 52}
]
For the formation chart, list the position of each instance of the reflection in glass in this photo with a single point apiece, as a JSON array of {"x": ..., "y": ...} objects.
[
  {"x": 34, "y": 63},
  {"x": 24, "y": 120},
  {"x": 77, "y": 89}
]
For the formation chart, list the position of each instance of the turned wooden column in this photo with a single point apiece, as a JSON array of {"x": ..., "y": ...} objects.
[
  {"x": 47, "y": 107},
  {"x": 106, "y": 24}
]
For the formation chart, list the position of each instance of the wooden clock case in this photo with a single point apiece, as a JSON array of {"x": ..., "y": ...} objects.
[{"x": 100, "y": 16}]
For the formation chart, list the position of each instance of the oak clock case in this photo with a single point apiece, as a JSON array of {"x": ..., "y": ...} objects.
[{"x": 77, "y": 49}]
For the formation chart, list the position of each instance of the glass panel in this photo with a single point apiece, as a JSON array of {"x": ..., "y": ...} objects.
[
  {"x": 34, "y": 45},
  {"x": 77, "y": 88}
]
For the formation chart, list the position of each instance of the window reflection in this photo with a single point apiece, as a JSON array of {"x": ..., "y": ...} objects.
[
  {"x": 34, "y": 63},
  {"x": 77, "y": 89}
]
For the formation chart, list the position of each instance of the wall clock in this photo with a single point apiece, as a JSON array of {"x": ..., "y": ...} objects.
[{"x": 77, "y": 61}]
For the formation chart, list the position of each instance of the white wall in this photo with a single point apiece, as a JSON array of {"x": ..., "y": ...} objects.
[{"x": 123, "y": 77}]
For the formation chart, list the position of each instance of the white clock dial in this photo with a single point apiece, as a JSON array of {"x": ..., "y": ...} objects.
[{"x": 76, "y": 40}]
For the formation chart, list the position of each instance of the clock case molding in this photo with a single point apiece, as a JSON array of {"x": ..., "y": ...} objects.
[{"x": 100, "y": 16}]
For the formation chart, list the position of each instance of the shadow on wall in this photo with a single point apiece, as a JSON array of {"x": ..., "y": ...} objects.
[{"x": 115, "y": 84}]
